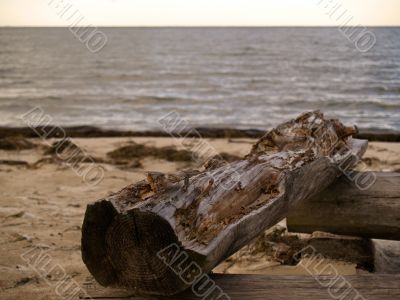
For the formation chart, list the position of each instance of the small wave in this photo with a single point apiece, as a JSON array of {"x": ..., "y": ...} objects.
[
  {"x": 52, "y": 98},
  {"x": 364, "y": 103},
  {"x": 5, "y": 71},
  {"x": 24, "y": 82},
  {"x": 380, "y": 89},
  {"x": 248, "y": 50},
  {"x": 157, "y": 99}
]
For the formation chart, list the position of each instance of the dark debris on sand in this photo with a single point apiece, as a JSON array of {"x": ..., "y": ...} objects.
[
  {"x": 15, "y": 144},
  {"x": 134, "y": 151}
]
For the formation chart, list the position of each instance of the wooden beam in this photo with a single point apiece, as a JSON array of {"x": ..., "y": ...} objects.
[
  {"x": 345, "y": 209},
  {"x": 150, "y": 233},
  {"x": 386, "y": 256},
  {"x": 273, "y": 287}
]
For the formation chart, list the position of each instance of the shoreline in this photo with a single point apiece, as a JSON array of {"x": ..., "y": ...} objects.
[{"x": 85, "y": 131}]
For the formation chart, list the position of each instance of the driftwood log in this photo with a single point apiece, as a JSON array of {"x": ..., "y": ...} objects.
[
  {"x": 157, "y": 236},
  {"x": 343, "y": 208}
]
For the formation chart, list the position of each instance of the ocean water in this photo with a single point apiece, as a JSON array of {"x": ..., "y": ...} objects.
[{"x": 217, "y": 77}]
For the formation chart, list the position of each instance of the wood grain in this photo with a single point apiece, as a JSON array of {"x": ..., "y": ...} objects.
[{"x": 345, "y": 209}]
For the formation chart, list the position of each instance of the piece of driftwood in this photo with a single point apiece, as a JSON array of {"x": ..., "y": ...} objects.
[
  {"x": 344, "y": 208},
  {"x": 274, "y": 287},
  {"x": 158, "y": 235}
]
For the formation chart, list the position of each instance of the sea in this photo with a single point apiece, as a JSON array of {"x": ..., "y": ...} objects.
[{"x": 212, "y": 77}]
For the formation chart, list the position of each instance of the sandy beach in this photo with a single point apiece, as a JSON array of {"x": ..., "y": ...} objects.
[{"x": 43, "y": 202}]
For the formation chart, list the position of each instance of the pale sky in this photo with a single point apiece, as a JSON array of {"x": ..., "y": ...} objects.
[{"x": 199, "y": 12}]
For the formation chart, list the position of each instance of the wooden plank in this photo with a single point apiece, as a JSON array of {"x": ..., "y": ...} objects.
[
  {"x": 144, "y": 235},
  {"x": 345, "y": 209},
  {"x": 357, "y": 287}
]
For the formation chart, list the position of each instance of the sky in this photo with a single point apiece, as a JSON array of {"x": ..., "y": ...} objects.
[{"x": 199, "y": 12}]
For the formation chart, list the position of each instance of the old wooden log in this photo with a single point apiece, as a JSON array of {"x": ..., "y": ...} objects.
[
  {"x": 158, "y": 236},
  {"x": 350, "y": 209}
]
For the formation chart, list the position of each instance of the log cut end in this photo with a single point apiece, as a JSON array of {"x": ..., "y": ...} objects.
[{"x": 124, "y": 249}]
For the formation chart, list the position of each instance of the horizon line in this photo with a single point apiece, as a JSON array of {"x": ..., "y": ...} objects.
[{"x": 195, "y": 26}]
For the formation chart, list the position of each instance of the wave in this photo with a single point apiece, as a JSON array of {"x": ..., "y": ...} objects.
[{"x": 378, "y": 89}]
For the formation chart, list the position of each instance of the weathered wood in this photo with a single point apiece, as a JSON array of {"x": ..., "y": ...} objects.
[
  {"x": 386, "y": 256},
  {"x": 371, "y": 287},
  {"x": 343, "y": 247},
  {"x": 210, "y": 214},
  {"x": 345, "y": 209}
]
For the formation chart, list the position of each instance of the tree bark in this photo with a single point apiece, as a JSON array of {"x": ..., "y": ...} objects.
[
  {"x": 158, "y": 236},
  {"x": 344, "y": 208}
]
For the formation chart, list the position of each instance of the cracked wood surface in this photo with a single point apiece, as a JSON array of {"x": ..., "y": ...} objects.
[{"x": 213, "y": 212}]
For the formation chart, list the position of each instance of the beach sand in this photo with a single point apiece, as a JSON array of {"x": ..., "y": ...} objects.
[{"x": 43, "y": 202}]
